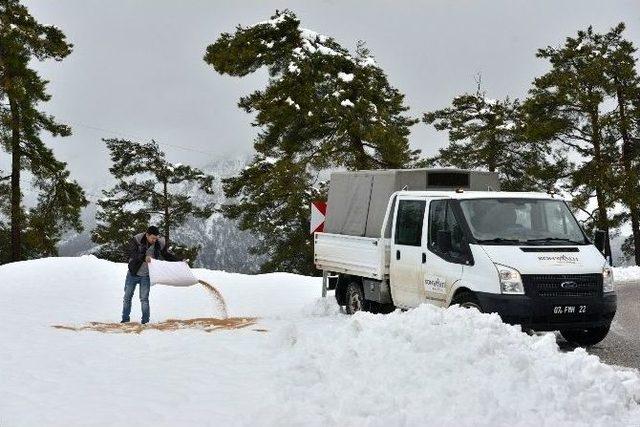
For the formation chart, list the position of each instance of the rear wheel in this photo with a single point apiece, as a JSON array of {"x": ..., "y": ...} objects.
[
  {"x": 466, "y": 300},
  {"x": 355, "y": 299},
  {"x": 585, "y": 337}
]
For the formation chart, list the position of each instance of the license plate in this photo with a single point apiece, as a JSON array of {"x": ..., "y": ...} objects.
[{"x": 569, "y": 309}]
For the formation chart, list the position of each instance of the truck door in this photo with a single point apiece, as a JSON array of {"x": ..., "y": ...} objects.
[
  {"x": 405, "y": 268},
  {"x": 443, "y": 251}
]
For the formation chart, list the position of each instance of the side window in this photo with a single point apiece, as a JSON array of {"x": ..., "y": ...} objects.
[
  {"x": 441, "y": 218},
  {"x": 456, "y": 232},
  {"x": 409, "y": 221},
  {"x": 387, "y": 231},
  {"x": 437, "y": 216}
]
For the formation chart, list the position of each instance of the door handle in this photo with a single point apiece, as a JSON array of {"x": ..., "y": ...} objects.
[
  {"x": 397, "y": 254},
  {"x": 424, "y": 258}
]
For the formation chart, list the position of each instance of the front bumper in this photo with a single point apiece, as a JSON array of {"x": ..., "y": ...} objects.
[{"x": 537, "y": 313}]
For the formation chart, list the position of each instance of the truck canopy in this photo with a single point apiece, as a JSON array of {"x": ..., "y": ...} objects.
[{"x": 358, "y": 200}]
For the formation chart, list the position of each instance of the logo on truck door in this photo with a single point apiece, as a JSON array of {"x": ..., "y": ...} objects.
[{"x": 435, "y": 284}]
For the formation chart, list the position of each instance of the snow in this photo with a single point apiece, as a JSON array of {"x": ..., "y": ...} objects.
[
  {"x": 274, "y": 21},
  {"x": 506, "y": 126},
  {"x": 627, "y": 275},
  {"x": 269, "y": 160},
  {"x": 292, "y": 103},
  {"x": 293, "y": 68},
  {"x": 312, "y": 366},
  {"x": 347, "y": 103},
  {"x": 368, "y": 62},
  {"x": 345, "y": 77}
]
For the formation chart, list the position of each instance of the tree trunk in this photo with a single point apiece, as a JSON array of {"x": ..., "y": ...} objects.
[
  {"x": 16, "y": 195},
  {"x": 361, "y": 159},
  {"x": 602, "y": 221},
  {"x": 166, "y": 213},
  {"x": 631, "y": 178},
  {"x": 491, "y": 164}
]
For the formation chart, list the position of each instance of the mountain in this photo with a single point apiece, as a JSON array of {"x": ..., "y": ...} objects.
[{"x": 224, "y": 246}]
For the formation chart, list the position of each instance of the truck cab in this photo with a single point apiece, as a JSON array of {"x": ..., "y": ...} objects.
[{"x": 521, "y": 255}]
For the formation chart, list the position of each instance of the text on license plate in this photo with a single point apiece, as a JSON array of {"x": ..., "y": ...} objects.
[{"x": 569, "y": 309}]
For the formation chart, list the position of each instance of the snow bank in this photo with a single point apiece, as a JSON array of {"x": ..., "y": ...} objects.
[
  {"x": 312, "y": 366},
  {"x": 626, "y": 275},
  {"x": 451, "y": 367}
]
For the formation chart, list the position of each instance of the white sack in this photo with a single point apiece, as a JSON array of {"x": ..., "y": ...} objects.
[{"x": 171, "y": 273}]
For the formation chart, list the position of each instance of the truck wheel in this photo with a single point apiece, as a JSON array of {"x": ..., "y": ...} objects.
[
  {"x": 585, "y": 337},
  {"x": 466, "y": 300},
  {"x": 355, "y": 299}
]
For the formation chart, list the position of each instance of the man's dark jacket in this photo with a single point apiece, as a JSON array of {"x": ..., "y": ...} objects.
[{"x": 138, "y": 251}]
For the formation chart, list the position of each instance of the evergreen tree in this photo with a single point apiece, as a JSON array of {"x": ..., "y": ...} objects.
[
  {"x": 5, "y": 218},
  {"x": 485, "y": 133},
  {"x": 566, "y": 108},
  {"x": 60, "y": 202},
  {"x": 323, "y": 107},
  {"x": 23, "y": 39},
  {"x": 149, "y": 190},
  {"x": 278, "y": 211},
  {"x": 624, "y": 88}
]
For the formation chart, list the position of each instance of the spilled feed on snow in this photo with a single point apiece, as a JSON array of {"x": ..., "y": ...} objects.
[{"x": 205, "y": 324}]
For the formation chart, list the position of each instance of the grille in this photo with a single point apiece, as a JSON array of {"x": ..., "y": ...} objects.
[
  {"x": 543, "y": 249},
  {"x": 547, "y": 285}
]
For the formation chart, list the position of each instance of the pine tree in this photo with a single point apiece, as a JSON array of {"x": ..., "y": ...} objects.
[
  {"x": 486, "y": 133},
  {"x": 5, "y": 218},
  {"x": 565, "y": 108},
  {"x": 149, "y": 190},
  {"x": 323, "y": 107},
  {"x": 23, "y": 39},
  {"x": 278, "y": 211},
  {"x": 624, "y": 88}
]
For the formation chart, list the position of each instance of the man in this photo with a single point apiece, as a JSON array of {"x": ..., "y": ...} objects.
[{"x": 142, "y": 249}]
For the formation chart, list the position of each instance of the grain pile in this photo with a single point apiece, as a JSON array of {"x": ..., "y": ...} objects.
[{"x": 207, "y": 324}]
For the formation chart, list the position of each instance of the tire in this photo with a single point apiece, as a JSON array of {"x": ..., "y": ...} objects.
[
  {"x": 466, "y": 299},
  {"x": 585, "y": 337},
  {"x": 355, "y": 299}
]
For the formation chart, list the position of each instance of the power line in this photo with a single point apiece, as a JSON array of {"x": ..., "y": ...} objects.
[{"x": 195, "y": 150}]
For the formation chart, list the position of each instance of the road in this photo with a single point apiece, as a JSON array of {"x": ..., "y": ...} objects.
[{"x": 622, "y": 346}]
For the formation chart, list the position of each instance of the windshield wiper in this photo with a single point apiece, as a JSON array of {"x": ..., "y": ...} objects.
[
  {"x": 555, "y": 239},
  {"x": 501, "y": 240}
]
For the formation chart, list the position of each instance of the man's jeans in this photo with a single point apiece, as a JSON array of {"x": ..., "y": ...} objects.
[{"x": 129, "y": 288}]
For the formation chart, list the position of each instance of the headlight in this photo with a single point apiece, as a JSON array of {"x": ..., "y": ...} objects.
[
  {"x": 510, "y": 280},
  {"x": 607, "y": 279}
]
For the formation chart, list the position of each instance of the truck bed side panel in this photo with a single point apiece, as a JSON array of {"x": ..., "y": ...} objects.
[{"x": 358, "y": 256}]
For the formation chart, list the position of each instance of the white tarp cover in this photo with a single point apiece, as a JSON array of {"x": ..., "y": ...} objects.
[{"x": 171, "y": 273}]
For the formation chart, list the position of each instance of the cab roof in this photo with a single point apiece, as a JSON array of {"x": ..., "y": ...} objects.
[{"x": 481, "y": 194}]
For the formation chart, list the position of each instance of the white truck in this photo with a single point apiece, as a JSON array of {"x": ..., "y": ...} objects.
[{"x": 400, "y": 238}]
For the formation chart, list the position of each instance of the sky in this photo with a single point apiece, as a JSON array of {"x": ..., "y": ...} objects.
[{"x": 137, "y": 72}]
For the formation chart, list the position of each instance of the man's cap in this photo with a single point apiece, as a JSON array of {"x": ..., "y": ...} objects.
[{"x": 153, "y": 230}]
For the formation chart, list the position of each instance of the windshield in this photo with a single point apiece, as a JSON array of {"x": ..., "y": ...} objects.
[{"x": 522, "y": 221}]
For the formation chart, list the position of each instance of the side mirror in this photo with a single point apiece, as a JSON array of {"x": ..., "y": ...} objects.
[
  {"x": 599, "y": 240},
  {"x": 443, "y": 239}
]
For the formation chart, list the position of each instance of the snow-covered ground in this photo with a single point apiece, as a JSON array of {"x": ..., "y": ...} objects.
[
  {"x": 627, "y": 275},
  {"x": 313, "y": 366}
]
